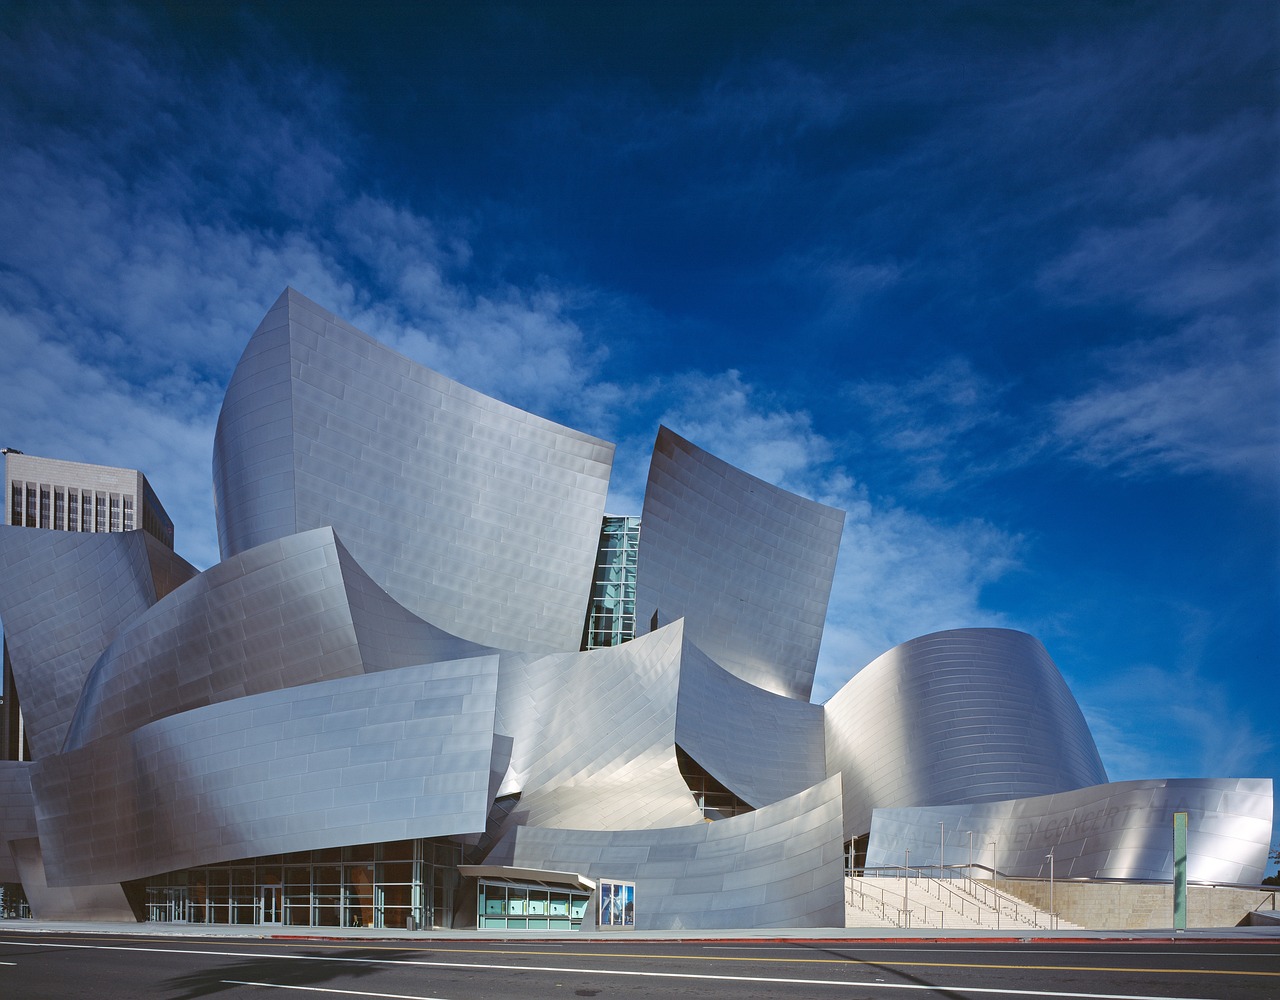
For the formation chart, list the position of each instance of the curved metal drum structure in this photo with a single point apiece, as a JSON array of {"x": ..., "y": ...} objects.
[{"x": 967, "y": 715}]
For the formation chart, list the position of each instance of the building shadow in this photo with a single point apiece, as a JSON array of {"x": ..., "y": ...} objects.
[{"x": 304, "y": 969}]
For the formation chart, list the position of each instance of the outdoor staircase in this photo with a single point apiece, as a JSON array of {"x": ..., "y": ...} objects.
[{"x": 915, "y": 900}]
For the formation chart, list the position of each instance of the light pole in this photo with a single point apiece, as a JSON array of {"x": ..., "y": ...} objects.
[
  {"x": 906, "y": 888},
  {"x": 994, "y": 858},
  {"x": 1053, "y": 920},
  {"x": 971, "y": 854},
  {"x": 942, "y": 849}
]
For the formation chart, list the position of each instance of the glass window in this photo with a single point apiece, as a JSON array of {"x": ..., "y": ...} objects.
[
  {"x": 328, "y": 895},
  {"x": 358, "y": 886},
  {"x": 115, "y": 512},
  {"x": 73, "y": 510},
  {"x": 86, "y": 511},
  {"x": 15, "y": 504},
  {"x": 59, "y": 509},
  {"x": 128, "y": 513},
  {"x": 100, "y": 518},
  {"x": 31, "y": 506},
  {"x": 44, "y": 506}
]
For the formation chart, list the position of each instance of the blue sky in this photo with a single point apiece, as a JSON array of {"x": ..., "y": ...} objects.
[{"x": 1000, "y": 280}]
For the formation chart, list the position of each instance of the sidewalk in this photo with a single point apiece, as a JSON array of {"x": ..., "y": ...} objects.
[{"x": 827, "y": 935}]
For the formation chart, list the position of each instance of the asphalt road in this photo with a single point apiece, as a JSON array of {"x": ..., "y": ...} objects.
[{"x": 60, "y": 966}]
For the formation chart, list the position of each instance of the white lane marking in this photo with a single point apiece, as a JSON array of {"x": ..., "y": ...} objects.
[
  {"x": 322, "y": 989},
  {"x": 855, "y": 950},
  {"x": 701, "y": 977}
]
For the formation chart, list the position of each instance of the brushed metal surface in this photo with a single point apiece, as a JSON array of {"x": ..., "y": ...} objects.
[
  {"x": 966, "y": 715},
  {"x": 475, "y": 515},
  {"x": 748, "y": 565},
  {"x": 1119, "y": 830},
  {"x": 780, "y": 866},
  {"x": 63, "y": 597}
]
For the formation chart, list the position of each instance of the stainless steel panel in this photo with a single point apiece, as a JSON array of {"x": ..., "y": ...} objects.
[
  {"x": 967, "y": 715},
  {"x": 1118, "y": 830},
  {"x": 63, "y": 597},
  {"x": 762, "y": 746},
  {"x": 429, "y": 484},
  {"x": 748, "y": 565},
  {"x": 289, "y": 612},
  {"x": 781, "y": 866},
  {"x": 188, "y": 789}
]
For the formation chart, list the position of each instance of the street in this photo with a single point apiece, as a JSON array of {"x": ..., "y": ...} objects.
[{"x": 57, "y": 966}]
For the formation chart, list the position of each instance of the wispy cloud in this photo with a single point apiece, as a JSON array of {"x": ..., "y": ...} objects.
[
  {"x": 1205, "y": 400},
  {"x": 946, "y": 423},
  {"x": 1133, "y": 710},
  {"x": 128, "y": 302},
  {"x": 1182, "y": 261}
]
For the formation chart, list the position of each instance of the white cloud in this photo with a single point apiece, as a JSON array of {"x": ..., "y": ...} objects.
[
  {"x": 126, "y": 295},
  {"x": 1202, "y": 401},
  {"x": 1133, "y": 711},
  {"x": 1178, "y": 262}
]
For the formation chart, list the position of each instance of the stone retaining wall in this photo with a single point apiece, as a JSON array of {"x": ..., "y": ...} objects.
[{"x": 1123, "y": 906}]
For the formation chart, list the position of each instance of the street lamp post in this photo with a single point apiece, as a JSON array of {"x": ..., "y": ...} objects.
[
  {"x": 1053, "y": 918},
  {"x": 906, "y": 888},
  {"x": 942, "y": 849},
  {"x": 971, "y": 854}
]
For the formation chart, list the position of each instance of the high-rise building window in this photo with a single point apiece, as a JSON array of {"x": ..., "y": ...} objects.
[
  {"x": 59, "y": 509},
  {"x": 31, "y": 506},
  {"x": 73, "y": 510},
  {"x": 100, "y": 512},
  {"x": 128, "y": 513},
  {"x": 86, "y": 511},
  {"x": 15, "y": 504},
  {"x": 115, "y": 513},
  {"x": 44, "y": 506}
]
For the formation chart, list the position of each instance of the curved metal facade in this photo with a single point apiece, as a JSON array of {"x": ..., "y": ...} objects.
[
  {"x": 1121, "y": 830},
  {"x": 780, "y": 866},
  {"x": 594, "y": 737},
  {"x": 968, "y": 715},
  {"x": 389, "y": 651},
  {"x": 433, "y": 487},
  {"x": 747, "y": 564},
  {"x": 719, "y": 715},
  {"x": 356, "y": 760},
  {"x": 63, "y": 597},
  {"x": 289, "y": 612}
]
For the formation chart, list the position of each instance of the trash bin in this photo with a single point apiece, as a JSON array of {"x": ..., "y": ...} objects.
[{"x": 410, "y": 924}]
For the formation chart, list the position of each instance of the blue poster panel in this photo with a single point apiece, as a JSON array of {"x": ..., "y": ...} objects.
[{"x": 617, "y": 904}]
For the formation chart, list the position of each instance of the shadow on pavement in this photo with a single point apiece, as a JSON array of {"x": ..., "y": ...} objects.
[{"x": 303, "y": 969}]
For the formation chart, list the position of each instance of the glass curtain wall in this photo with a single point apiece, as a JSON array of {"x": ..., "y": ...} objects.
[
  {"x": 611, "y": 619},
  {"x": 369, "y": 885}
]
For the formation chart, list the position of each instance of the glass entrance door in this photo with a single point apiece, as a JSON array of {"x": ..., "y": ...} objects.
[{"x": 272, "y": 904}]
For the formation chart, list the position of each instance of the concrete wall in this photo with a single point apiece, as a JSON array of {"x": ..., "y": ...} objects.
[{"x": 1128, "y": 906}]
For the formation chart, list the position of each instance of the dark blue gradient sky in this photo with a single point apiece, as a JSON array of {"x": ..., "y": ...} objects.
[{"x": 999, "y": 279}]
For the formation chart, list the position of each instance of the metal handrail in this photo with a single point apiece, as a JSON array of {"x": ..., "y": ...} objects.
[{"x": 962, "y": 891}]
